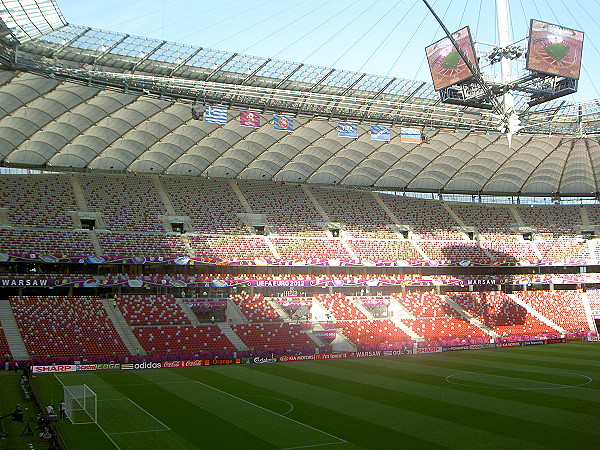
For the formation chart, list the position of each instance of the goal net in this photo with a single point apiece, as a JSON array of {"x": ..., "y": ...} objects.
[{"x": 81, "y": 404}]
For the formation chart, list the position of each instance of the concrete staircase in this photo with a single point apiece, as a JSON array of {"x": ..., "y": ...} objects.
[
  {"x": 535, "y": 313},
  {"x": 588, "y": 312},
  {"x": 408, "y": 330},
  {"x": 123, "y": 328},
  {"x": 188, "y": 312},
  {"x": 234, "y": 338},
  {"x": 472, "y": 320},
  {"x": 12, "y": 333}
]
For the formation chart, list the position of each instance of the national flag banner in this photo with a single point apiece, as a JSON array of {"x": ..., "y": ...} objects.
[
  {"x": 283, "y": 123},
  {"x": 380, "y": 133},
  {"x": 346, "y": 129},
  {"x": 249, "y": 119},
  {"x": 411, "y": 135},
  {"x": 215, "y": 114}
]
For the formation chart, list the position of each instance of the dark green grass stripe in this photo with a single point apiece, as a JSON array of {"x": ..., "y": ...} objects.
[
  {"x": 357, "y": 432},
  {"x": 376, "y": 372},
  {"x": 191, "y": 425},
  {"x": 461, "y": 415},
  {"x": 376, "y": 406},
  {"x": 281, "y": 431}
]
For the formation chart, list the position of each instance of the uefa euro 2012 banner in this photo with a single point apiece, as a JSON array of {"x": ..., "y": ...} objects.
[
  {"x": 185, "y": 261},
  {"x": 360, "y": 281}
]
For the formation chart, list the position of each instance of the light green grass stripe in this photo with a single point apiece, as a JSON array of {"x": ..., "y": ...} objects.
[
  {"x": 446, "y": 392},
  {"x": 438, "y": 431},
  {"x": 272, "y": 427}
]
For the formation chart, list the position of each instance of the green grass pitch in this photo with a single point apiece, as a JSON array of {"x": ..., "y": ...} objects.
[{"x": 545, "y": 396}]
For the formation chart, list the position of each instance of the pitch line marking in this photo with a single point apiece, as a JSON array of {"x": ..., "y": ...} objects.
[
  {"x": 556, "y": 385},
  {"x": 97, "y": 424},
  {"x": 275, "y": 398},
  {"x": 143, "y": 431},
  {"x": 341, "y": 441}
]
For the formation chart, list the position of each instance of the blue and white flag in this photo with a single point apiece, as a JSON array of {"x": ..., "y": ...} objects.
[
  {"x": 283, "y": 123},
  {"x": 380, "y": 133},
  {"x": 215, "y": 114},
  {"x": 346, "y": 129}
]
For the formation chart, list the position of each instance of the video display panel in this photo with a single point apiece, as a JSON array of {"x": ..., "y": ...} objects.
[
  {"x": 445, "y": 63},
  {"x": 554, "y": 50}
]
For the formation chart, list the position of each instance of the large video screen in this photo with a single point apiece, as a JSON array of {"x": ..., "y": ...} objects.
[
  {"x": 445, "y": 63},
  {"x": 554, "y": 50}
]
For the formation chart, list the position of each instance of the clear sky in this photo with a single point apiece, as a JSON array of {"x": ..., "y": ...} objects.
[{"x": 384, "y": 37}]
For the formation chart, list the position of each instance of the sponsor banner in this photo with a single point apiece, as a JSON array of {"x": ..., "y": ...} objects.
[
  {"x": 221, "y": 362},
  {"x": 427, "y": 350},
  {"x": 401, "y": 352},
  {"x": 193, "y": 363},
  {"x": 456, "y": 348},
  {"x": 295, "y": 303},
  {"x": 280, "y": 283},
  {"x": 574, "y": 339},
  {"x": 593, "y": 338},
  {"x": 375, "y": 301},
  {"x": 507, "y": 344},
  {"x": 533, "y": 342},
  {"x": 368, "y": 354},
  {"x": 342, "y": 355},
  {"x": 86, "y": 367},
  {"x": 207, "y": 305},
  {"x": 185, "y": 261},
  {"x": 108, "y": 366},
  {"x": 297, "y": 358},
  {"x": 262, "y": 360},
  {"x": 54, "y": 369},
  {"x": 325, "y": 334},
  {"x": 171, "y": 364},
  {"x": 555, "y": 341},
  {"x": 142, "y": 365}
]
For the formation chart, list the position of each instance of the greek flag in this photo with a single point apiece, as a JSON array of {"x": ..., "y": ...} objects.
[
  {"x": 283, "y": 123},
  {"x": 379, "y": 133},
  {"x": 346, "y": 129},
  {"x": 215, "y": 114}
]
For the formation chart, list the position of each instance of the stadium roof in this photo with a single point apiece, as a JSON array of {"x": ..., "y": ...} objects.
[{"x": 78, "y": 98}]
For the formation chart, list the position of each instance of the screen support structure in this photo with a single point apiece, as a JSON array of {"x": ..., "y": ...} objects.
[{"x": 509, "y": 120}]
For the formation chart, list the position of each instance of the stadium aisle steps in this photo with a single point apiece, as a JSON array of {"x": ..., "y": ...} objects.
[
  {"x": 535, "y": 313},
  {"x": 469, "y": 317},
  {"x": 124, "y": 330},
  {"x": 11, "y": 332},
  {"x": 235, "y": 340}
]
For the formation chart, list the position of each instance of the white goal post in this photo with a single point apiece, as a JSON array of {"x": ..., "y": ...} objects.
[{"x": 81, "y": 404}]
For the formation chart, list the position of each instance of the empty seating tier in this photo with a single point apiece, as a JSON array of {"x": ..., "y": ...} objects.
[
  {"x": 139, "y": 310},
  {"x": 273, "y": 335},
  {"x": 66, "y": 326},
  {"x": 182, "y": 339}
]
